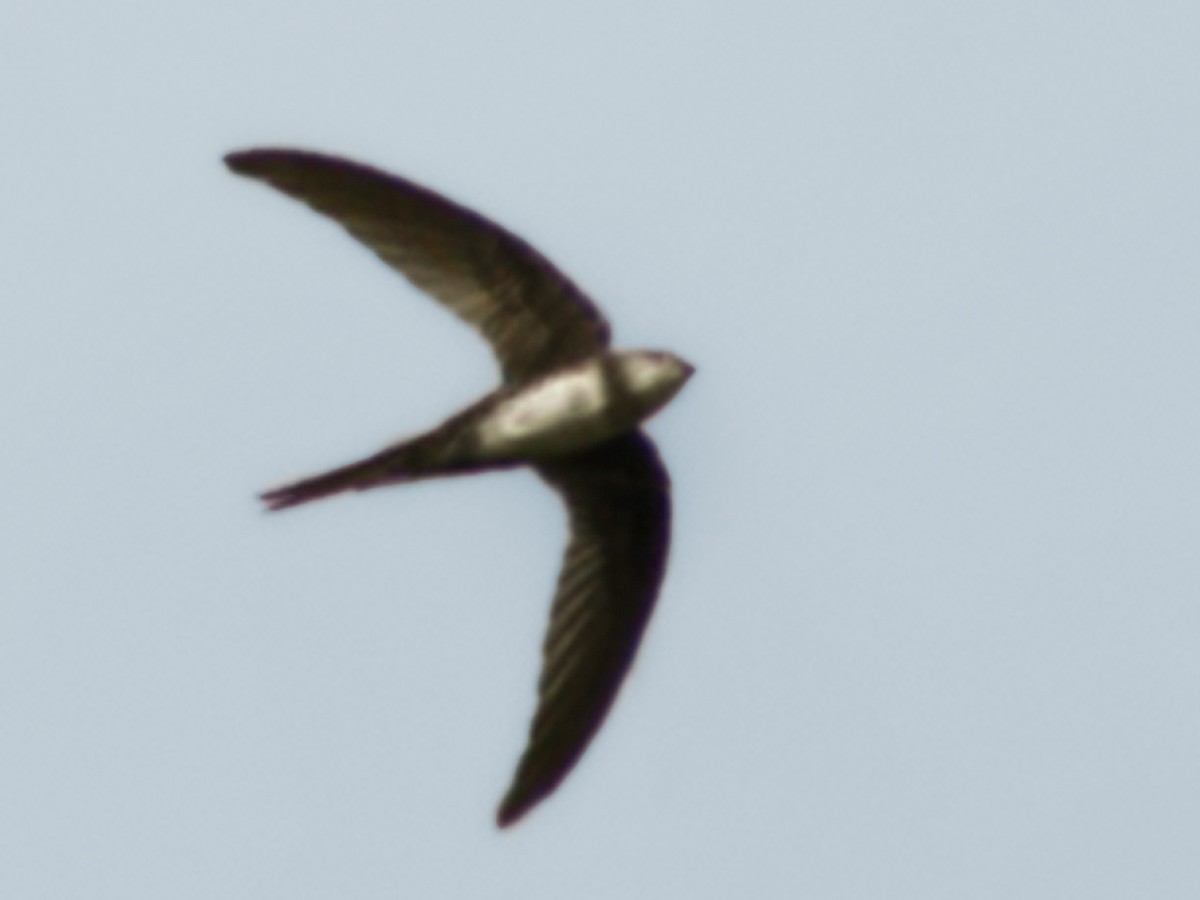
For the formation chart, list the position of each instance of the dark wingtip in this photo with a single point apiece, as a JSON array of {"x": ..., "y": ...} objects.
[
  {"x": 250, "y": 162},
  {"x": 511, "y": 810},
  {"x": 264, "y": 159},
  {"x": 531, "y": 785},
  {"x": 237, "y": 160}
]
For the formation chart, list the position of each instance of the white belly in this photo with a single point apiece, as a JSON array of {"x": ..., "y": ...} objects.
[{"x": 566, "y": 412}]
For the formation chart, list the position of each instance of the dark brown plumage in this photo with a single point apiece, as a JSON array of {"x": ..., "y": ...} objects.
[
  {"x": 617, "y": 492},
  {"x": 531, "y": 314}
]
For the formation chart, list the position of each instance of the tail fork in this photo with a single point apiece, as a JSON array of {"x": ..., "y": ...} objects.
[
  {"x": 355, "y": 477},
  {"x": 427, "y": 456}
]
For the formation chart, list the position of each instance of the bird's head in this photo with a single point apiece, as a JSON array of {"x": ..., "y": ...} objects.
[{"x": 652, "y": 377}]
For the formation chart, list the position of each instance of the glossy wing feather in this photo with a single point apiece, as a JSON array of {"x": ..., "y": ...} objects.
[
  {"x": 618, "y": 500},
  {"x": 535, "y": 319}
]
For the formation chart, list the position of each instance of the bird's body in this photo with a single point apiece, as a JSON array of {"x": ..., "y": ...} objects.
[
  {"x": 569, "y": 407},
  {"x": 580, "y": 406}
]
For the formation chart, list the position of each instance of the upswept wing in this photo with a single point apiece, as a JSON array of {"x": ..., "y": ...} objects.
[
  {"x": 535, "y": 319},
  {"x": 618, "y": 501}
]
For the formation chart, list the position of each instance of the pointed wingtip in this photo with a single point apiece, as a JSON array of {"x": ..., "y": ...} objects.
[
  {"x": 247, "y": 162},
  {"x": 236, "y": 160},
  {"x": 504, "y": 819},
  {"x": 512, "y": 809},
  {"x": 535, "y": 780},
  {"x": 258, "y": 160}
]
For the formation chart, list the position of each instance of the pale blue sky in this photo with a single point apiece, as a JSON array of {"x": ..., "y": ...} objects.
[{"x": 931, "y": 627}]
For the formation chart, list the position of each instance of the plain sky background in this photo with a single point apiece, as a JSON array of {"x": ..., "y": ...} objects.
[{"x": 931, "y": 627}]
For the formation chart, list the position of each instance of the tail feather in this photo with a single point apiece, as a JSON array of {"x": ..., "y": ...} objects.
[
  {"x": 427, "y": 456},
  {"x": 354, "y": 477}
]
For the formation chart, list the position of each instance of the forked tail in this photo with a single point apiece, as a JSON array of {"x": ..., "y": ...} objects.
[
  {"x": 427, "y": 456},
  {"x": 354, "y": 477}
]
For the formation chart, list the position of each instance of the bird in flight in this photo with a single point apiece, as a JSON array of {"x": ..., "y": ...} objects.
[{"x": 568, "y": 406}]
